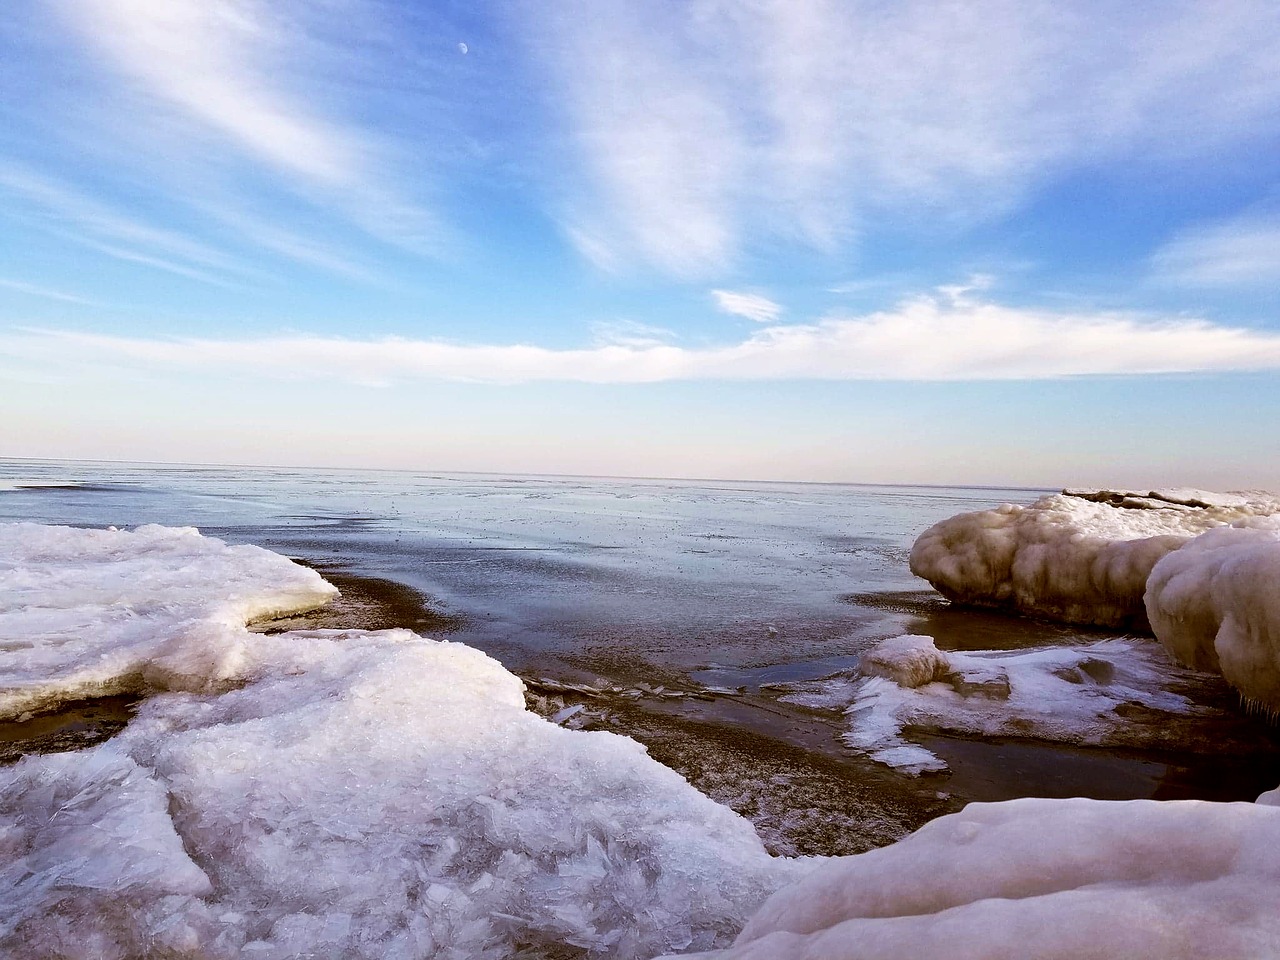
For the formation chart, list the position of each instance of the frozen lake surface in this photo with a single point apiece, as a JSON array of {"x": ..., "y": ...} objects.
[{"x": 706, "y": 602}]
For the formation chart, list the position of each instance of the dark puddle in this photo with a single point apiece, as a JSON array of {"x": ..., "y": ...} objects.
[
  {"x": 1237, "y": 758},
  {"x": 957, "y": 627},
  {"x": 74, "y": 727},
  {"x": 992, "y": 770}
]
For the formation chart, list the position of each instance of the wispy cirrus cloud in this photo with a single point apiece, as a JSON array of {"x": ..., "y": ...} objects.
[
  {"x": 698, "y": 125},
  {"x": 1240, "y": 252},
  {"x": 657, "y": 142},
  {"x": 753, "y": 306},
  {"x": 252, "y": 101},
  {"x": 83, "y": 219},
  {"x": 927, "y": 338},
  {"x": 46, "y": 293},
  {"x": 213, "y": 60}
]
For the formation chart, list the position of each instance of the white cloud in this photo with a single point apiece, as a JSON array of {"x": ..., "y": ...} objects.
[
  {"x": 753, "y": 306},
  {"x": 699, "y": 125},
  {"x": 1239, "y": 252},
  {"x": 67, "y": 212},
  {"x": 654, "y": 138},
  {"x": 926, "y": 339},
  {"x": 212, "y": 59},
  {"x": 630, "y": 333}
]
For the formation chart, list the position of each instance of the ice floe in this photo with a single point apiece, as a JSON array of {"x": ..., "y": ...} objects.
[
  {"x": 1215, "y": 605},
  {"x": 88, "y": 613},
  {"x": 334, "y": 793},
  {"x": 1114, "y": 692},
  {"x": 1064, "y": 879},
  {"x": 1080, "y": 556}
]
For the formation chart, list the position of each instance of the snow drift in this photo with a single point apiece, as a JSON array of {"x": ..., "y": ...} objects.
[
  {"x": 1215, "y": 605},
  {"x": 333, "y": 793},
  {"x": 1080, "y": 556},
  {"x": 1066, "y": 879}
]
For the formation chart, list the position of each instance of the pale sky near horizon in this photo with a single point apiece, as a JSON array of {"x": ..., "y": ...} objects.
[{"x": 987, "y": 242}]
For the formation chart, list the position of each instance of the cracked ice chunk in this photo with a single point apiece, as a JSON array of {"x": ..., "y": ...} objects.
[
  {"x": 77, "y": 829},
  {"x": 399, "y": 785}
]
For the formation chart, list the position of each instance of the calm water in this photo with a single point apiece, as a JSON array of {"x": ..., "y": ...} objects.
[
  {"x": 673, "y": 583},
  {"x": 689, "y": 574}
]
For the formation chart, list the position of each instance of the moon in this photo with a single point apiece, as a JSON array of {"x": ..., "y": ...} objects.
[{"x": 462, "y": 49}]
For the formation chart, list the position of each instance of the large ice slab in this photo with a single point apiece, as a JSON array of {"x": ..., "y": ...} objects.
[
  {"x": 1062, "y": 879},
  {"x": 346, "y": 794},
  {"x": 1215, "y": 605},
  {"x": 89, "y": 613},
  {"x": 372, "y": 795},
  {"x": 1081, "y": 556}
]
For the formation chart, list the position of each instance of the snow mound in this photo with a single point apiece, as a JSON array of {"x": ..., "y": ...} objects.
[
  {"x": 1106, "y": 693},
  {"x": 348, "y": 794},
  {"x": 90, "y": 613},
  {"x": 1215, "y": 605},
  {"x": 1065, "y": 879},
  {"x": 1079, "y": 557}
]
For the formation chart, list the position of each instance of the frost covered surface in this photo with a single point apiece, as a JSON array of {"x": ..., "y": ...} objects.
[
  {"x": 1215, "y": 605},
  {"x": 1080, "y": 556},
  {"x": 1165, "y": 880},
  {"x": 1106, "y": 693},
  {"x": 357, "y": 794},
  {"x": 89, "y": 613}
]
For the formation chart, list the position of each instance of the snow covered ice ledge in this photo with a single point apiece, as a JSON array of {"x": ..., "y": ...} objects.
[
  {"x": 1079, "y": 556},
  {"x": 92, "y": 613},
  {"x": 1199, "y": 570}
]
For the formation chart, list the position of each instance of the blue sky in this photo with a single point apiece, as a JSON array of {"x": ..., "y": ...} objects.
[{"x": 986, "y": 242}]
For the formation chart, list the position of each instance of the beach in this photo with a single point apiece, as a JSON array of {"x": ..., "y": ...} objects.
[{"x": 690, "y": 616}]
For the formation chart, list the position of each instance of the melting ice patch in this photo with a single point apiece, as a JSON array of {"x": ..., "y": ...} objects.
[
  {"x": 335, "y": 793},
  {"x": 1107, "y": 693}
]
